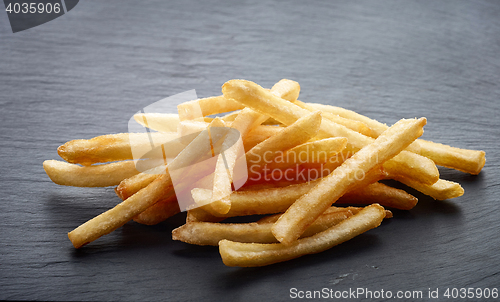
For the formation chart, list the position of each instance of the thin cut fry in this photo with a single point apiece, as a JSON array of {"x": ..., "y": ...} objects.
[
  {"x": 114, "y": 218},
  {"x": 441, "y": 190},
  {"x": 162, "y": 122},
  {"x": 208, "y": 106},
  {"x": 63, "y": 173},
  {"x": 307, "y": 208},
  {"x": 256, "y": 254},
  {"x": 160, "y": 211}
]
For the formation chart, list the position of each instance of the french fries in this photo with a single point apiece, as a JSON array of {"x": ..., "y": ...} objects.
[
  {"x": 468, "y": 161},
  {"x": 66, "y": 174},
  {"x": 307, "y": 208},
  {"x": 255, "y": 254},
  {"x": 113, "y": 147},
  {"x": 300, "y": 158}
]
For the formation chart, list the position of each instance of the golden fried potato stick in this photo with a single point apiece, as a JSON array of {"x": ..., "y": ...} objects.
[
  {"x": 469, "y": 161},
  {"x": 330, "y": 210},
  {"x": 160, "y": 188},
  {"x": 382, "y": 194},
  {"x": 261, "y": 100},
  {"x": 114, "y": 147},
  {"x": 160, "y": 211},
  {"x": 256, "y": 254},
  {"x": 162, "y": 122},
  {"x": 289, "y": 90},
  {"x": 114, "y": 218},
  {"x": 226, "y": 160},
  {"x": 258, "y": 135},
  {"x": 286, "y": 89},
  {"x": 209, "y": 233},
  {"x": 307, "y": 208},
  {"x": 133, "y": 184},
  {"x": 441, "y": 190},
  {"x": 297, "y": 133},
  {"x": 209, "y": 106},
  {"x": 63, "y": 173}
]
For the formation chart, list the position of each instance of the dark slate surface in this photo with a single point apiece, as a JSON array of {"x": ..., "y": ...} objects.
[{"x": 85, "y": 73}]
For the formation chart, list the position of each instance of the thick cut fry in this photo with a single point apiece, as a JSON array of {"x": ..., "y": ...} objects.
[
  {"x": 255, "y": 254},
  {"x": 206, "y": 106},
  {"x": 63, "y": 173},
  {"x": 160, "y": 211},
  {"x": 286, "y": 89},
  {"x": 114, "y": 147},
  {"x": 209, "y": 233},
  {"x": 441, "y": 190},
  {"x": 297, "y": 133},
  {"x": 307, "y": 208},
  {"x": 114, "y": 218},
  {"x": 261, "y": 100},
  {"x": 469, "y": 161},
  {"x": 162, "y": 122}
]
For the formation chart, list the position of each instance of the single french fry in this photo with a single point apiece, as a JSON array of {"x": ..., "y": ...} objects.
[
  {"x": 133, "y": 184},
  {"x": 162, "y": 122},
  {"x": 261, "y": 100},
  {"x": 441, "y": 190},
  {"x": 258, "y": 135},
  {"x": 286, "y": 89},
  {"x": 381, "y": 194},
  {"x": 230, "y": 117},
  {"x": 350, "y": 124},
  {"x": 307, "y": 208},
  {"x": 469, "y": 161},
  {"x": 206, "y": 106},
  {"x": 63, "y": 173},
  {"x": 330, "y": 210},
  {"x": 114, "y": 147},
  {"x": 256, "y": 254},
  {"x": 160, "y": 211},
  {"x": 209, "y": 233},
  {"x": 114, "y": 218}
]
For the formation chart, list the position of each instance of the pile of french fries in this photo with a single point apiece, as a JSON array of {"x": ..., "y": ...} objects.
[{"x": 342, "y": 157}]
